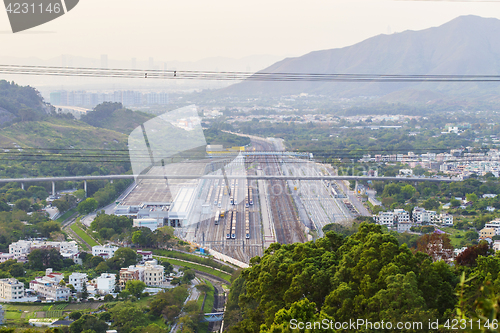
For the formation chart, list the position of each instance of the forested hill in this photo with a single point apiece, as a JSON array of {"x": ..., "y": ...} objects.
[
  {"x": 367, "y": 275},
  {"x": 115, "y": 117},
  {"x": 18, "y": 103}
]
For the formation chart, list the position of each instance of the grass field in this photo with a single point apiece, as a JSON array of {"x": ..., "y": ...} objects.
[
  {"x": 209, "y": 302},
  {"x": 456, "y": 236},
  {"x": 200, "y": 268},
  {"x": 77, "y": 230},
  {"x": 53, "y": 314},
  {"x": 82, "y": 306},
  {"x": 208, "y": 261},
  {"x": 66, "y": 215}
]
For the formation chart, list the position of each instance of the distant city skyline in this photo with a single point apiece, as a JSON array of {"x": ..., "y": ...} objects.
[{"x": 195, "y": 29}]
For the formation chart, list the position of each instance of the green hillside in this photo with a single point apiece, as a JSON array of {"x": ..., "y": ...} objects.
[
  {"x": 18, "y": 103},
  {"x": 58, "y": 146},
  {"x": 114, "y": 116},
  {"x": 62, "y": 134}
]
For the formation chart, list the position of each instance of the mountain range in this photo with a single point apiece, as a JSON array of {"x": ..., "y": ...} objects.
[{"x": 465, "y": 45}]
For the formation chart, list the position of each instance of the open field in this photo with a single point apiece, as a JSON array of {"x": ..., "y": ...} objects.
[
  {"x": 66, "y": 215},
  {"x": 204, "y": 269},
  {"x": 77, "y": 230},
  {"x": 208, "y": 261}
]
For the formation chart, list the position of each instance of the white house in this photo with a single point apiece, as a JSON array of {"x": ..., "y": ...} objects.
[
  {"x": 404, "y": 226},
  {"x": 385, "y": 218},
  {"x": 22, "y": 248},
  {"x": 420, "y": 215},
  {"x": 6, "y": 256},
  {"x": 446, "y": 219},
  {"x": 154, "y": 274},
  {"x": 390, "y": 218},
  {"x": 11, "y": 289},
  {"x": 77, "y": 280},
  {"x": 146, "y": 255},
  {"x": 106, "y": 283},
  {"x": 48, "y": 286},
  {"x": 106, "y": 251}
]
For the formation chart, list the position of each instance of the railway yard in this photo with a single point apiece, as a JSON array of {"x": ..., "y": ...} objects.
[{"x": 240, "y": 217}]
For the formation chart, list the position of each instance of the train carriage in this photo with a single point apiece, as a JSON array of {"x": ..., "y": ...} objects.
[
  {"x": 228, "y": 226},
  {"x": 233, "y": 225},
  {"x": 217, "y": 216}
]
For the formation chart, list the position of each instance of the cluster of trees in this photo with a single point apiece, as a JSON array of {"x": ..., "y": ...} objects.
[
  {"x": 128, "y": 316},
  {"x": 41, "y": 259},
  {"x": 115, "y": 117},
  {"x": 337, "y": 144},
  {"x": 105, "y": 192},
  {"x": 37, "y": 224},
  {"x": 111, "y": 227},
  {"x": 214, "y": 136},
  {"x": 160, "y": 238},
  {"x": 366, "y": 275},
  {"x": 23, "y": 103},
  {"x": 108, "y": 225}
]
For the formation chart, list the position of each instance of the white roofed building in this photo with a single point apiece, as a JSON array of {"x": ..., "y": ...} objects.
[
  {"x": 154, "y": 274},
  {"x": 22, "y": 248},
  {"x": 48, "y": 286},
  {"x": 106, "y": 251},
  {"x": 77, "y": 280},
  {"x": 11, "y": 289},
  {"x": 106, "y": 283}
]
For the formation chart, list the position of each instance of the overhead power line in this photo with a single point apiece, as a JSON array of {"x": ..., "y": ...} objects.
[{"x": 236, "y": 76}]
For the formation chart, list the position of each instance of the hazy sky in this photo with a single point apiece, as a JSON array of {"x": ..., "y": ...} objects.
[{"x": 189, "y": 30}]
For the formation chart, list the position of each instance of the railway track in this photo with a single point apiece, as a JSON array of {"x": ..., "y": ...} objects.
[{"x": 286, "y": 223}]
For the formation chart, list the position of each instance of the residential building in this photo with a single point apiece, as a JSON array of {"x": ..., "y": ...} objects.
[
  {"x": 420, "y": 215},
  {"x": 48, "y": 286},
  {"x": 385, "y": 218},
  {"x": 6, "y": 256},
  {"x": 11, "y": 289},
  {"x": 77, "y": 280},
  {"x": 401, "y": 215},
  {"x": 446, "y": 219},
  {"x": 146, "y": 255},
  {"x": 22, "y": 248},
  {"x": 487, "y": 233},
  {"x": 131, "y": 273},
  {"x": 391, "y": 218},
  {"x": 154, "y": 274},
  {"x": 106, "y": 251},
  {"x": 493, "y": 224},
  {"x": 404, "y": 226},
  {"x": 106, "y": 283}
]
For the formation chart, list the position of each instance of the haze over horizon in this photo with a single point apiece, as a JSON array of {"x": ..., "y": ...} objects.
[{"x": 195, "y": 30}]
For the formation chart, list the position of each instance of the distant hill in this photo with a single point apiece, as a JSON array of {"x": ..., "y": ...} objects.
[
  {"x": 18, "y": 103},
  {"x": 465, "y": 45},
  {"x": 115, "y": 117}
]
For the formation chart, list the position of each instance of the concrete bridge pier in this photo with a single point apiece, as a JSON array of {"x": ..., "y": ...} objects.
[
  {"x": 85, "y": 187},
  {"x": 22, "y": 186},
  {"x": 53, "y": 188}
]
